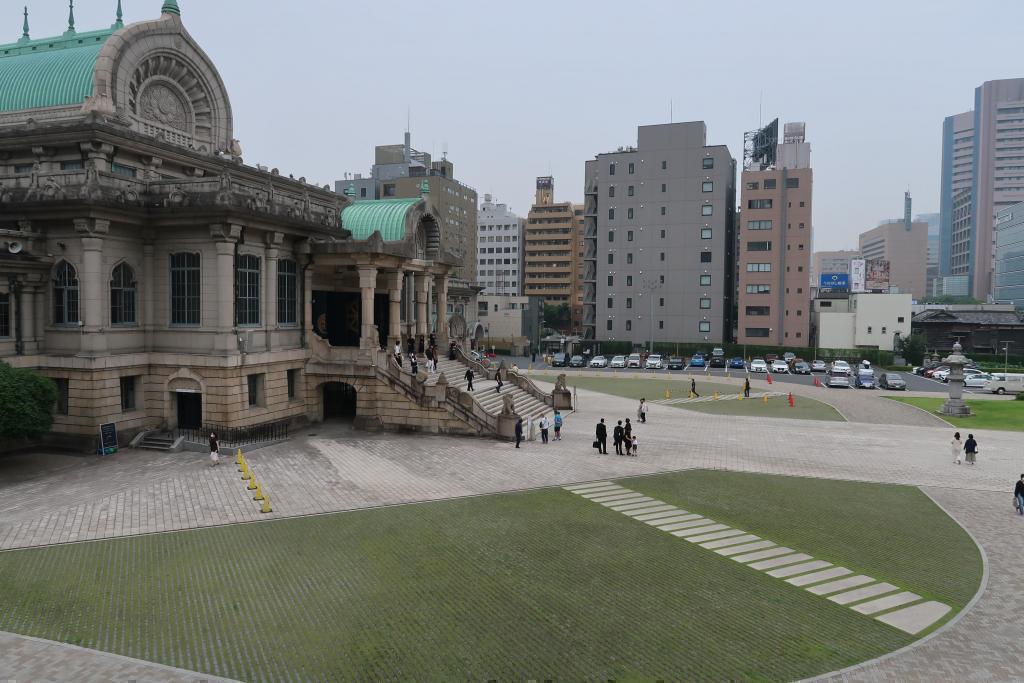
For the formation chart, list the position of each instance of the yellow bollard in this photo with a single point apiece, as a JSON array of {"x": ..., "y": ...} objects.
[
  {"x": 252, "y": 484},
  {"x": 266, "y": 505},
  {"x": 716, "y": 395},
  {"x": 765, "y": 398},
  {"x": 259, "y": 492},
  {"x": 238, "y": 457},
  {"x": 668, "y": 394},
  {"x": 739, "y": 397},
  {"x": 691, "y": 395}
]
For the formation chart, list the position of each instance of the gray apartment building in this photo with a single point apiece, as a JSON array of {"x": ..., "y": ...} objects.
[
  {"x": 1009, "y": 266},
  {"x": 659, "y": 233}
]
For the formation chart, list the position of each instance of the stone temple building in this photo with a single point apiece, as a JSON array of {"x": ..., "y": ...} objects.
[{"x": 165, "y": 285}]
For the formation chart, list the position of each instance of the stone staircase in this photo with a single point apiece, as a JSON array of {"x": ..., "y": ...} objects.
[
  {"x": 157, "y": 441},
  {"x": 527, "y": 405}
]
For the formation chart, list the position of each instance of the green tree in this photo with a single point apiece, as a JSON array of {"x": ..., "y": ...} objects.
[
  {"x": 913, "y": 348},
  {"x": 26, "y": 403},
  {"x": 558, "y": 317}
]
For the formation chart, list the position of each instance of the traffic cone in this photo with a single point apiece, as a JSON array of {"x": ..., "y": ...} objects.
[
  {"x": 238, "y": 457},
  {"x": 246, "y": 474},
  {"x": 252, "y": 484},
  {"x": 241, "y": 462},
  {"x": 716, "y": 395},
  {"x": 259, "y": 492},
  {"x": 766, "y": 399},
  {"x": 769, "y": 377},
  {"x": 266, "y": 505},
  {"x": 792, "y": 403}
]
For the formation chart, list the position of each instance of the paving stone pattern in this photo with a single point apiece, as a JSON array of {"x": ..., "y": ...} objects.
[{"x": 807, "y": 572}]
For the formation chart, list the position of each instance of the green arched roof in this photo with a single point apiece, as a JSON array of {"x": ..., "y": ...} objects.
[
  {"x": 363, "y": 218},
  {"x": 50, "y": 72}
]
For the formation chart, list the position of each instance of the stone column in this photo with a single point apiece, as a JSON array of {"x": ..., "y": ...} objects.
[
  {"x": 148, "y": 294},
  {"x": 441, "y": 287},
  {"x": 422, "y": 287},
  {"x": 270, "y": 301},
  {"x": 29, "y": 341},
  {"x": 395, "y": 280},
  {"x": 225, "y": 236},
  {"x": 91, "y": 300},
  {"x": 41, "y": 315},
  {"x": 368, "y": 288}
]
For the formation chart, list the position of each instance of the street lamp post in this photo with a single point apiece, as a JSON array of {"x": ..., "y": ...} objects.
[
  {"x": 1006, "y": 355},
  {"x": 648, "y": 286}
]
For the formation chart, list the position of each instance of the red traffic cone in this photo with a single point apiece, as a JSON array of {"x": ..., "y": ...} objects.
[
  {"x": 769, "y": 377},
  {"x": 791, "y": 402}
]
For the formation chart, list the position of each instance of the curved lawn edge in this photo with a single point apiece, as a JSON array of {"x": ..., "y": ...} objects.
[{"x": 947, "y": 625}]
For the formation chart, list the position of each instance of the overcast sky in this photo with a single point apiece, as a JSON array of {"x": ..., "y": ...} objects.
[{"x": 527, "y": 88}]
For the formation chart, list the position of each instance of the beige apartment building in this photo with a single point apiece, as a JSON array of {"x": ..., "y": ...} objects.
[
  {"x": 905, "y": 246},
  {"x": 552, "y": 252},
  {"x": 775, "y": 237}
]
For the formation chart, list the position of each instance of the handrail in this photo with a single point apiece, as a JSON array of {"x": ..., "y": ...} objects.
[
  {"x": 527, "y": 385},
  {"x": 476, "y": 365},
  {"x": 232, "y": 437}
]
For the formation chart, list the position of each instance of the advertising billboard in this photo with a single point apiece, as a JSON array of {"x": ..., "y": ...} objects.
[
  {"x": 834, "y": 282},
  {"x": 857, "y": 275},
  {"x": 876, "y": 276}
]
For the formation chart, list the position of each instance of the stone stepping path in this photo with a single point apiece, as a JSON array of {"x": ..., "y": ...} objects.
[{"x": 883, "y": 601}]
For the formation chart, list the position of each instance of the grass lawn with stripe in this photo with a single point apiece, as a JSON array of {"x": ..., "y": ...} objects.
[
  {"x": 988, "y": 413},
  {"x": 654, "y": 389},
  {"x": 542, "y": 585}
]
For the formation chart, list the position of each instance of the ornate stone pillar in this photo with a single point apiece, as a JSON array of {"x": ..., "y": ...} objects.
[
  {"x": 368, "y": 288},
  {"x": 226, "y": 237},
  {"x": 148, "y": 294},
  {"x": 92, "y": 302},
  {"x": 29, "y": 340},
  {"x": 441, "y": 287},
  {"x": 422, "y": 288},
  {"x": 394, "y": 279},
  {"x": 270, "y": 300}
]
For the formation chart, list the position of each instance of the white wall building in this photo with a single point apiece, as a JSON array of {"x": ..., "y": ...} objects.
[
  {"x": 499, "y": 253},
  {"x": 872, "y": 322}
]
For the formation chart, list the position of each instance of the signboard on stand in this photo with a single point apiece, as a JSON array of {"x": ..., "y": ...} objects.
[{"x": 108, "y": 438}]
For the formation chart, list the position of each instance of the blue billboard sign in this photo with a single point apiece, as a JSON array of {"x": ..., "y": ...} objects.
[{"x": 834, "y": 282}]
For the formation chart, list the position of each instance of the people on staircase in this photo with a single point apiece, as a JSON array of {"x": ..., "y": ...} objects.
[{"x": 469, "y": 379}]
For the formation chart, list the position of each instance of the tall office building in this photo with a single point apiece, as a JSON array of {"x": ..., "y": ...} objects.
[
  {"x": 499, "y": 246},
  {"x": 775, "y": 237},
  {"x": 659, "y": 239},
  {"x": 902, "y": 242},
  {"x": 982, "y": 174},
  {"x": 1009, "y": 266},
  {"x": 552, "y": 234},
  {"x": 399, "y": 171}
]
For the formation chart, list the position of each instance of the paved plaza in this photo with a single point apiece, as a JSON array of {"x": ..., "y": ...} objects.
[{"x": 329, "y": 468}]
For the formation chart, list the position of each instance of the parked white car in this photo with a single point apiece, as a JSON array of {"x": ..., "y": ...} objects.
[
  {"x": 780, "y": 366},
  {"x": 598, "y": 362},
  {"x": 618, "y": 362},
  {"x": 841, "y": 366},
  {"x": 633, "y": 361},
  {"x": 653, "y": 362},
  {"x": 758, "y": 365},
  {"x": 978, "y": 380}
]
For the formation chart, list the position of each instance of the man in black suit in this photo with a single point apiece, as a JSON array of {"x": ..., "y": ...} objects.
[
  {"x": 469, "y": 379},
  {"x": 602, "y": 437},
  {"x": 617, "y": 435}
]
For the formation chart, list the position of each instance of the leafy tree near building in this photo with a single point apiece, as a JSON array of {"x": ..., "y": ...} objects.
[
  {"x": 558, "y": 317},
  {"x": 26, "y": 403},
  {"x": 913, "y": 348}
]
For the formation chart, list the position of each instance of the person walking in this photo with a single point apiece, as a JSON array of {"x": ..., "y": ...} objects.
[
  {"x": 558, "y": 426},
  {"x": 519, "y": 431},
  {"x": 627, "y": 435},
  {"x": 469, "y": 379},
  {"x": 746, "y": 388},
  {"x": 533, "y": 355},
  {"x": 398, "y": 353},
  {"x": 414, "y": 364},
  {"x": 214, "y": 449},
  {"x": 1018, "y": 494},
  {"x": 693, "y": 388},
  {"x": 412, "y": 345},
  {"x": 641, "y": 412},
  {"x": 433, "y": 340},
  {"x": 602, "y": 438},
  {"x": 500, "y": 384},
  {"x": 956, "y": 447},
  {"x": 971, "y": 449},
  {"x": 421, "y": 344},
  {"x": 617, "y": 437},
  {"x": 544, "y": 425},
  {"x": 633, "y": 445}
]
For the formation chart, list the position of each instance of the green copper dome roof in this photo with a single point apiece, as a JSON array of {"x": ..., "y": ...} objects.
[
  {"x": 363, "y": 218},
  {"x": 50, "y": 72}
]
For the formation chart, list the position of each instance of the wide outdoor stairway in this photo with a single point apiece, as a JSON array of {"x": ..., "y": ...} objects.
[{"x": 526, "y": 405}]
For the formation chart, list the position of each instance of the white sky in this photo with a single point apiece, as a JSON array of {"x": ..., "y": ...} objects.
[{"x": 526, "y": 88}]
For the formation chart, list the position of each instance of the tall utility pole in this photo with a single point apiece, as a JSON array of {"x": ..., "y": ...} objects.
[
  {"x": 648, "y": 286},
  {"x": 1006, "y": 355}
]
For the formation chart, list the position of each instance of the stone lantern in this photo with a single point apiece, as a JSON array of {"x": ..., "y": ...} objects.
[{"x": 955, "y": 405}]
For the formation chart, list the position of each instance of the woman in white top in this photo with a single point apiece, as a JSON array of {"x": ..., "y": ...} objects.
[{"x": 957, "y": 448}]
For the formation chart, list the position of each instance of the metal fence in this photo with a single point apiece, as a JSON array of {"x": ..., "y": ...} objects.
[{"x": 234, "y": 437}]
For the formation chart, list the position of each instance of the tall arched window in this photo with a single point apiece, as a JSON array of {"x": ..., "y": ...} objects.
[
  {"x": 122, "y": 295},
  {"x": 65, "y": 294},
  {"x": 247, "y": 290}
]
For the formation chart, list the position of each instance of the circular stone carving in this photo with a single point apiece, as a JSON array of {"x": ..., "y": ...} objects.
[{"x": 161, "y": 104}]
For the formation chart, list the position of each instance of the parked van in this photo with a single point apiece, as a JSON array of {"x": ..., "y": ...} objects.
[{"x": 1004, "y": 383}]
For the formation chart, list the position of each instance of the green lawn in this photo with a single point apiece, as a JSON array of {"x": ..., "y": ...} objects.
[
  {"x": 541, "y": 585},
  {"x": 988, "y": 413},
  {"x": 654, "y": 389}
]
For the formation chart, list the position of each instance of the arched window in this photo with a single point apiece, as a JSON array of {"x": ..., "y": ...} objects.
[
  {"x": 65, "y": 294},
  {"x": 122, "y": 295},
  {"x": 247, "y": 290}
]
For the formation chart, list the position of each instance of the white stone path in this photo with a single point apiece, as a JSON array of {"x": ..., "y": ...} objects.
[{"x": 887, "y": 603}]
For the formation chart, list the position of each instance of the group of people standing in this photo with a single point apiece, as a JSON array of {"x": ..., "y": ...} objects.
[
  {"x": 545, "y": 425},
  {"x": 425, "y": 349},
  {"x": 623, "y": 437}
]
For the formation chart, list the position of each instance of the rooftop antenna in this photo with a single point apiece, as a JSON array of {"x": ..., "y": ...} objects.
[
  {"x": 760, "y": 108},
  {"x": 24, "y": 28},
  {"x": 444, "y": 151}
]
